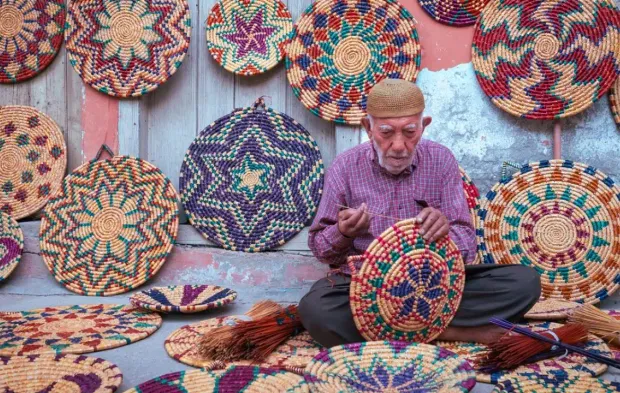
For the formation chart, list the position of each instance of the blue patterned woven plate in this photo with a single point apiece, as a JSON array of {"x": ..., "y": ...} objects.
[{"x": 183, "y": 298}]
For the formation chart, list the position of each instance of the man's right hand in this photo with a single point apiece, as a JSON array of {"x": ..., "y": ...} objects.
[{"x": 354, "y": 222}]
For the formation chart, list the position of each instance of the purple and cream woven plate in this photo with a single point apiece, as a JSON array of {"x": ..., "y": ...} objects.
[{"x": 183, "y": 298}]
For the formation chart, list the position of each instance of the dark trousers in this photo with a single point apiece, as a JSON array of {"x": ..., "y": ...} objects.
[{"x": 502, "y": 291}]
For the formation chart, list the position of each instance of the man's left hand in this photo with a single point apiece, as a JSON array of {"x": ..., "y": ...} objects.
[{"x": 434, "y": 225}]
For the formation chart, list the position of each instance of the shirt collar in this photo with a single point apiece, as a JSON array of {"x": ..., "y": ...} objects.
[{"x": 372, "y": 154}]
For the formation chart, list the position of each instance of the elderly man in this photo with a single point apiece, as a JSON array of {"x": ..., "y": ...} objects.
[{"x": 398, "y": 174}]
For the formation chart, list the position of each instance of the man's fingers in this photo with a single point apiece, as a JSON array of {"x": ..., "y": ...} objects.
[
  {"x": 432, "y": 231},
  {"x": 443, "y": 231},
  {"x": 430, "y": 220},
  {"x": 423, "y": 215}
]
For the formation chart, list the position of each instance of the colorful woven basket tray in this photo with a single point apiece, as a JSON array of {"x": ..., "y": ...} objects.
[
  {"x": 546, "y": 60},
  {"x": 127, "y": 47},
  {"x": 182, "y": 345},
  {"x": 406, "y": 289},
  {"x": 472, "y": 195},
  {"x": 615, "y": 349},
  {"x": 183, "y": 298},
  {"x": 30, "y": 37},
  {"x": 389, "y": 367},
  {"x": 33, "y": 160},
  {"x": 111, "y": 227},
  {"x": 235, "y": 379},
  {"x": 557, "y": 217},
  {"x": 248, "y": 37},
  {"x": 11, "y": 245},
  {"x": 551, "y": 309},
  {"x": 614, "y": 100},
  {"x": 454, "y": 12},
  {"x": 252, "y": 179},
  {"x": 573, "y": 362},
  {"x": 555, "y": 382},
  {"x": 341, "y": 49},
  {"x": 74, "y": 329},
  {"x": 61, "y": 373}
]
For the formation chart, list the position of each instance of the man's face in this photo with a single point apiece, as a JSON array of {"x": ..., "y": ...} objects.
[{"x": 395, "y": 139}]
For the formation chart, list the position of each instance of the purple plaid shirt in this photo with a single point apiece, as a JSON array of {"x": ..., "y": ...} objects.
[{"x": 356, "y": 177}]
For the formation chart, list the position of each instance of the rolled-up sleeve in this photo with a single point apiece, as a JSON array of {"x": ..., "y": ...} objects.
[
  {"x": 454, "y": 206},
  {"x": 325, "y": 240}
]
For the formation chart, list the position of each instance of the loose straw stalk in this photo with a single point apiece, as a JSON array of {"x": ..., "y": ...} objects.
[{"x": 597, "y": 322}]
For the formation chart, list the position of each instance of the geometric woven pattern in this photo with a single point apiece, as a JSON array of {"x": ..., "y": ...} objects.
[
  {"x": 541, "y": 59},
  {"x": 235, "y": 379},
  {"x": 30, "y": 37},
  {"x": 406, "y": 289},
  {"x": 182, "y": 345},
  {"x": 555, "y": 382},
  {"x": 74, "y": 329},
  {"x": 551, "y": 309},
  {"x": 60, "y": 373},
  {"x": 393, "y": 367},
  {"x": 341, "y": 49},
  {"x": 111, "y": 227},
  {"x": 557, "y": 217},
  {"x": 614, "y": 100},
  {"x": 11, "y": 245},
  {"x": 573, "y": 362},
  {"x": 454, "y": 12},
  {"x": 33, "y": 159},
  {"x": 127, "y": 47},
  {"x": 248, "y": 37},
  {"x": 472, "y": 195},
  {"x": 614, "y": 348},
  {"x": 252, "y": 179},
  {"x": 183, "y": 298}
]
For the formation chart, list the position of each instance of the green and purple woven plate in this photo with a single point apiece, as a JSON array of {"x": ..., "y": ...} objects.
[{"x": 559, "y": 381}]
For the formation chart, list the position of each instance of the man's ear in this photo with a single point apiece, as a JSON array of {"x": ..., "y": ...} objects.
[
  {"x": 426, "y": 121},
  {"x": 367, "y": 127}
]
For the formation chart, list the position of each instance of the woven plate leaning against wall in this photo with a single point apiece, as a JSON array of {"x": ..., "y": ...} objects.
[
  {"x": 128, "y": 47},
  {"x": 252, "y": 179},
  {"x": 111, "y": 227},
  {"x": 341, "y": 49},
  {"x": 11, "y": 245},
  {"x": 472, "y": 196},
  {"x": 544, "y": 59},
  {"x": 454, "y": 12},
  {"x": 614, "y": 101},
  {"x": 560, "y": 218}
]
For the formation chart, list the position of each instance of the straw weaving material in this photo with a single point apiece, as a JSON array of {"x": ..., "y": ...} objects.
[{"x": 551, "y": 309}]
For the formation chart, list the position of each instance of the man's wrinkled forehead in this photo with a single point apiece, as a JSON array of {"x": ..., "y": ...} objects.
[{"x": 408, "y": 122}]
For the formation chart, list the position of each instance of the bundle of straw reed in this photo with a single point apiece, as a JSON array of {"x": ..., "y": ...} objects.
[{"x": 597, "y": 322}]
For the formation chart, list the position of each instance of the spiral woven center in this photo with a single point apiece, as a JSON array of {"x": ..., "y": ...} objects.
[
  {"x": 546, "y": 46},
  {"x": 351, "y": 56},
  {"x": 250, "y": 179},
  {"x": 67, "y": 325},
  {"x": 11, "y": 21},
  {"x": 9, "y": 162},
  {"x": 108, "y": 223},
  {"x": 555, "y": 234},
  {"x": 126, "y": 29}
]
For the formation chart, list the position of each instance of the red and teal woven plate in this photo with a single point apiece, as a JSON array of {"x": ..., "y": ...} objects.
[
  {"x": 395, "y": 367},
  {"x": 558, "y": 217},
  {"x": 406, "y": 289},
  {"x": 31, "y": 33},
  {"x": 111, "y": 227},
  {"x": 74, "y": 329},
  {"x": 341, "y": 49},
  {"x": 58, "y": 373},
  {"x": 128, "y": 47},
  {"x": 11, "y": 245},
  {"x": 183, "y": 298},
  {"x": 234, "y": 379},
  {"x": 546, "y": 60},
  {"x": 472, "y": 195},
  {"x": 614, "y": 101},
  {"x": 248, "y": 37},
  {"x": 554, "y": 381},
  {"x": 454, "y": 12}
]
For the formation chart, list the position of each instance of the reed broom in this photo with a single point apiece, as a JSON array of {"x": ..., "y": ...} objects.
[{"x": 597, "y": 322}]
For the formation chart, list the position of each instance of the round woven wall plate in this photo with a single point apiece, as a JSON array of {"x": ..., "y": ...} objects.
[
  {"x": 248, "y": 37},
  {"x": 341, "y": 49},
  {"x": 31, "y": 33},
  {"x": 546, "y": 60},
  {"x": 406, "y": 289},
  {"x": 128, "y": 47},
  {"x": 472, "y": 195},
  {"x": 454, "y": 12},
  {"x": 234, "y": 379},
  {"x": 614, "y": 348},
  {"x": 389, "y": 367},
  {"x": 560, "y": 381},
  {"x": 557, "y": 217},
  {"x": 11, "y": 245},
  {"x": 183, "y": 298},
  {"x": 74, "y": 329},
  {"x": 614, "y": 100},
  {"x": 33, "y": 160},
  {"x": 182, "y": 345},
  {"x": 58, "y": 373},
  {"x": 252, "y": 179},
  {"x": 111, "y": 226},
  {"x": 551, "y": 309},
  {"x": 573, "y": 362}
]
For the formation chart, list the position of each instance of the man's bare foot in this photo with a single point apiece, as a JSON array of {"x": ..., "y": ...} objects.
[{"x": 482, "y": 334}]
